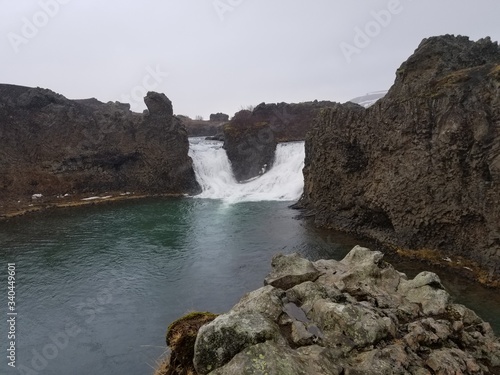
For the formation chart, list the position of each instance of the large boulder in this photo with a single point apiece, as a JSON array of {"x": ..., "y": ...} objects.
[
  {"x": 271, "y": 358},
  {"x": 420, "y": 169},
  {"x": 220, "y": 340},
  {"x": 290, "y": 270}
]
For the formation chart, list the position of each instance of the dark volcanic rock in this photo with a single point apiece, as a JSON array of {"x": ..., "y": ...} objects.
[
  {"x": 420, "y": 169},
  {"x": 51, "y": 145},
  {"x": 360, "y": 316},
  {"x": 159, "y": 106},
  {"x": 201, "y": 128},
  {"x": 250, "y": 138},
  {"x": 219, "y": 117},
  {"x": 249, "y": 146}
]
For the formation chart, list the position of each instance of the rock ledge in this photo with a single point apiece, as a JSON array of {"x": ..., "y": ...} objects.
[{"x": 354, "y": 316}]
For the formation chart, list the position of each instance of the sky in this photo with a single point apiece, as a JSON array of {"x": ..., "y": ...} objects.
[{"x": 212, "y": 56}]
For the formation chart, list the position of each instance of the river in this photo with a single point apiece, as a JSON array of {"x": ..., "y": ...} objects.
[{"x": 97, "y": 286}]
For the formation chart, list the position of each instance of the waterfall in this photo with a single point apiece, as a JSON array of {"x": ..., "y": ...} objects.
[{"x": 283, "y": 182}]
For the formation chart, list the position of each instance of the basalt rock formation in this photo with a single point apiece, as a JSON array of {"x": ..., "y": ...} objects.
[
  {"x": 354, "y": 316},
  {"x": 50, "y": 145},
  {"x": 250, "y": 138},
  {"x": 219, "y": 117},
  {"x": 420, "y": 169},
  {"x": 202, "y": 128}
]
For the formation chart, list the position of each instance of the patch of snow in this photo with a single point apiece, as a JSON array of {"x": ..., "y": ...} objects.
[
  {"x": 369, "y": 99},
  {"x": 94, "y": 198}
]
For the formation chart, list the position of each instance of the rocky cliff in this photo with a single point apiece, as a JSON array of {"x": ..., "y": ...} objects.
[
  {"x": 420, "y": 169},
  {"x": 52, "y": 146},
  {"x": 250, "y": 138},
  {"x": 356, "y": 316}
]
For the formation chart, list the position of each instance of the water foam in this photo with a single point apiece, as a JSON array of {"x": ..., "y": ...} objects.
[{"x": 283, "y": 182}]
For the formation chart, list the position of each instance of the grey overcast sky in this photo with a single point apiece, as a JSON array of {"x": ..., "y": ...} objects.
[{"x": 212, "y": 56}]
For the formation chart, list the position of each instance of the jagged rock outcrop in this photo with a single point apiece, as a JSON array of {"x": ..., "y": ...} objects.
[
  {"x": 219, "y": 117},
  {"x": 354, "y": 316},
  {"x": 250, "y": 138},
  {"x": 420, "y": 169},
  {"x": 51, "y": 145}
]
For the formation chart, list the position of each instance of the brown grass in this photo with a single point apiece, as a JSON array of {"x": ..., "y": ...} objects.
[
  {"x": 495, "y": 71},
  {"x": 181, "y": 336},
  {"x": 450, "y": 261},
  {"x": 162, "y": 366}
]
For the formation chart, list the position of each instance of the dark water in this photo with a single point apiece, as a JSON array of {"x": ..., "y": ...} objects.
[{"x": 97, "y": 286}]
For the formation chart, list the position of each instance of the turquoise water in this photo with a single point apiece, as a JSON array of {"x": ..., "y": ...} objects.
[
  {"x": 97, "y": 286},
  {"x": 119, "y": 274}
]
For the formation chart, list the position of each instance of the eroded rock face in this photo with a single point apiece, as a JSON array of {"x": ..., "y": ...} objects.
[
  {"x": 420, "y": 169},
  {"x": 250, "y": 138},
  {"x": 336, "y": 324},
  {"x": 50, "y": 145}
]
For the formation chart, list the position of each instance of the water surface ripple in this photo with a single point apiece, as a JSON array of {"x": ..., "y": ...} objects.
[{"x": 104, "y": 282}]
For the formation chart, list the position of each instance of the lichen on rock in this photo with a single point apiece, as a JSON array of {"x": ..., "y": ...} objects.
[{"x": 335, "y": 324}]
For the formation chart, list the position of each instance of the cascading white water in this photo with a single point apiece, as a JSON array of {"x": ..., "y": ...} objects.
[{"x": 283, "y": 182}]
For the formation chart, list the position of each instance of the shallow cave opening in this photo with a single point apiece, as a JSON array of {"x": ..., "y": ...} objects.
[{"x": 376, "y": 218}]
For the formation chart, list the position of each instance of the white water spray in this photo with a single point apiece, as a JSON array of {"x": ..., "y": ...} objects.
[{"x": 283, "y": 182}]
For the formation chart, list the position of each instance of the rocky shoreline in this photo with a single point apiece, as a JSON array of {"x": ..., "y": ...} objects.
[
  {"x": 12, "y": 209},
  {"x": 354, "y": 316}
]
